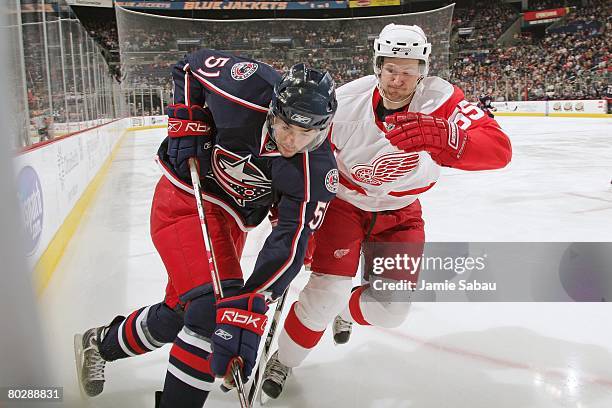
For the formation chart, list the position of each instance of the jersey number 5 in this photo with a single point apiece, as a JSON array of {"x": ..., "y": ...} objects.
[
  {"x": 465, "y": 113},
  {"x": 319, "y": 215},
  {"x": 213, "y": 62}
]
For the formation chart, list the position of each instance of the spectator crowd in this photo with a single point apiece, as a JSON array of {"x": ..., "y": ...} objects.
[{"x": 569, "y": 61}]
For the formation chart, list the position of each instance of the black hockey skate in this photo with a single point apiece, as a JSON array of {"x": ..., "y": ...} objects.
[
  {"x": 342, "y": 330},
  {"x": 89, "y": 362},
  {"x": 274, "y": 377}
]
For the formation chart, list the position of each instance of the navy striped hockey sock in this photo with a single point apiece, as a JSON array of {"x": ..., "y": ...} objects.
[
  {"x": 189, "y": 378},
  {"x": 128, "y": 337}
]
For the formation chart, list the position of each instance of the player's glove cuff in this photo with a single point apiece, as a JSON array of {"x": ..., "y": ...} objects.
[
  {"x": 255, "y": 322},
  {"x": 246, "y": 311},
  {"x": 186, "y": 120}
]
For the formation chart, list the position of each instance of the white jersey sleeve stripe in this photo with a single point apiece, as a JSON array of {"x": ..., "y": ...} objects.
[{"x": 227, "y": 95}]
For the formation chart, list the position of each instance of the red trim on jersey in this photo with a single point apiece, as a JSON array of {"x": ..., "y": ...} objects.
[
  {"x": 262, "y": 147},
  {"x": 186, "y": 85},
  {"x": 354, "y": 187},
  {"x": 184, "y": 127},
  {"x": 213, "y": 199},
  {"x": 346, "y": 183},
  {"x": 193, "y": 361},
  {"x": 129, "y": 334},
  {"x": 299, "y": 333},
  {"x": 245, "y": 319},
  {"x": 301, "y": 224},
  {"x": 488, "y": 147},
  {"x": 375, "y": 101},
  {"x": 306, "y": 168},
  {"x": 289, "y": 261},
  {"x": 446, "y": 110},
  {"x": 226, "y": 95},
  {"x": 414, "y": 191},
  {"x": 329, "y": 135},
  {"x": 205, "y": 195},
  {"x": 355, "y": 307}
]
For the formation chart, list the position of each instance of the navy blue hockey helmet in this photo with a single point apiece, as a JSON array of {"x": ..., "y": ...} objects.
[{"x": 305, "y": 97}]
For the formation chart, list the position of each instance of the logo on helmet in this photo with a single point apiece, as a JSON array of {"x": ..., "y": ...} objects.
[
  {"x": 300, "y": 119},
  {"x": 243, "y": 70},
  {"x": 401, "y": 49}
]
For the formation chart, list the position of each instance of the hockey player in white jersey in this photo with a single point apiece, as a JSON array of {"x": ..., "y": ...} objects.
[{"x": 392, "y": 133}]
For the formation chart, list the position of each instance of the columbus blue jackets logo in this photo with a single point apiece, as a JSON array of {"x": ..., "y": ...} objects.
[
  {"x": 243, "y": 70},
  {"x": 239, "y": 177}
]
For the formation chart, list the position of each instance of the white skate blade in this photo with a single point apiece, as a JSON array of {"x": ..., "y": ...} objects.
[{"x": 78, "y": 359}]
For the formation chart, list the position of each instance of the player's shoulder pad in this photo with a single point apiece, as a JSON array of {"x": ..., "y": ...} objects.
[
  {"x": 432, "y": 93},
  {"x": 353, "y": 97},
  {"x": 312, "y": 176},
  {"x": 238, "y": 76}
]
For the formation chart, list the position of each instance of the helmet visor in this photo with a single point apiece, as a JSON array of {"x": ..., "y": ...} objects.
[
  {"x": 291, "y": 138},
  {"x": 390, "y": 69}
]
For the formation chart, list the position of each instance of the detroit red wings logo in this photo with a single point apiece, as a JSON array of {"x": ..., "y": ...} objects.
[
  {"x": 385, "y": 169},
  {"x": 239, "y": 177}
]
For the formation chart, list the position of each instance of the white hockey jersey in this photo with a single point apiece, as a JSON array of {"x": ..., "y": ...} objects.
[{"x": 375, "y": 175}]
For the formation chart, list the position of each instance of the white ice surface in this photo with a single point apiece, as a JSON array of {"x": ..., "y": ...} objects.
[{"x": 472, "y": 355}]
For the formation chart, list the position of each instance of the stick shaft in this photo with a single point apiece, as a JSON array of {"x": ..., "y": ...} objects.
[{"x": 212, "y": 266}]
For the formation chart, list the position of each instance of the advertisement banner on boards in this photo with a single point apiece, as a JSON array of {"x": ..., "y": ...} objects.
[{"x": 233, "y": 5}]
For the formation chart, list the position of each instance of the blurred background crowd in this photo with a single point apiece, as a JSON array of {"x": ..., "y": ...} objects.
[{"x": 488, "y": 48}]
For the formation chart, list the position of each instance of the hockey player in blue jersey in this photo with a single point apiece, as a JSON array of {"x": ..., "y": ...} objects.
[
  {"x": 260, "y": 140},
  {"x": 484, "y": 103}
]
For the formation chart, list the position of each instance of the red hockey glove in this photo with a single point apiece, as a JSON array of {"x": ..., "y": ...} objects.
[
  {"x": 190, "y": 134},
  {"x": 414, "y": 132}
]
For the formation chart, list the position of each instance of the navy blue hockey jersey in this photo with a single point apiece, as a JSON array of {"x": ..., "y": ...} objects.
[{"x": 248, "y": 174}]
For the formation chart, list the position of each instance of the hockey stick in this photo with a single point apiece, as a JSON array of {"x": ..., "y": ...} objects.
[
  {"x": 263, "y": 360},
  {"x": 216, "y": 281}
]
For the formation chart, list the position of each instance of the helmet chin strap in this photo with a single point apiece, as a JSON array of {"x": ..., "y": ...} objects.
[{"x": 406, "y": 99}]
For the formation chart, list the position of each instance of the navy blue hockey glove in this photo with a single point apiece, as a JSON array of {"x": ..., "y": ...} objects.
[
  {"x": 190, "y": 134},
  {"x": 241, "y": 322}
]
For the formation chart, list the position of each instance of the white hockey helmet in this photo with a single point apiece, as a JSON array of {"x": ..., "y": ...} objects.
[{"x": 402, "y": 41}]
